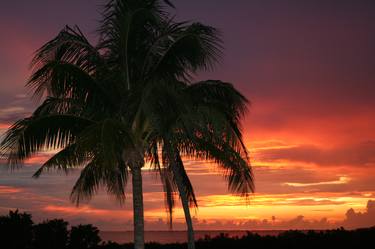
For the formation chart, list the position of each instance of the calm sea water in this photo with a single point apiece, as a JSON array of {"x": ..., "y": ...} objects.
[{"x": 174, "y": 236}]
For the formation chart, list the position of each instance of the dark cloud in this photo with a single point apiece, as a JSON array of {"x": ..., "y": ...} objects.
[
  {"x": 11, "y": 114},
  {"x": 358, "y": 219},
  {"x": 359, "y": 155}
]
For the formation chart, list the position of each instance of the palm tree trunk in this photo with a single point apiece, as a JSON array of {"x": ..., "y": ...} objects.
[
  {"x": 138, "y": 208},
  {"x": 185, "y": 205}
]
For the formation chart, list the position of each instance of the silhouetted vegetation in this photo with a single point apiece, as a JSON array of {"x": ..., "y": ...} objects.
[
  {"x": 84, "y": 237},
  {"x": 17, "y": 231},
  {"x": 51, "y": 234}
]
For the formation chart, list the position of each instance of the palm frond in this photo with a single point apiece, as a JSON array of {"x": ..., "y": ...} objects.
[
  {"x": 70, "y": 46},
  {"x": 185, "y": 50},
  {"x": 126, "y": 30},
  {"x": 173, "y": 162},
  {"x": 170, "y": 189},
  {"x": 35, "y": 134},
  {"x": 237, "y": 168},
  {"x": 97, "y": 174},
  {"x": 219, "y": 95},
  {"x": 186, "y": 183},
  {"x": 221, "y": 100},
  {"x": 61, "y": 79},
  {"x": 105, "y": 142},
  {"x": 53, "y": 105},
  {"x": 68, "y": 158}
]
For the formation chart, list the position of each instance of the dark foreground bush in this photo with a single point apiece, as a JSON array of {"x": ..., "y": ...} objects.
[
  {"x": 332, "y": 239},
  {"x": 17, "y": 231}
]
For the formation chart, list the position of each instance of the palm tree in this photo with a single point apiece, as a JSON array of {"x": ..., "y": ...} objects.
[
  {"x": 201, "y": 121},
  {"x": 103, "y": 107}
]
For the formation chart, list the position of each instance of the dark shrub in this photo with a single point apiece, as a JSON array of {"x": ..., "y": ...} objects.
[
  {"x": 51, "y": 234},
  {"x": 84, "y": 237},
  {"x": 16, "y": 230}
]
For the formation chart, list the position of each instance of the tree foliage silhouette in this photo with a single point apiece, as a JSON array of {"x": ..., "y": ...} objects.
[
  {"x": 51, "y": 234},
  {"x": 84, "y": 237},
  {"x": 16, "y": 230}
]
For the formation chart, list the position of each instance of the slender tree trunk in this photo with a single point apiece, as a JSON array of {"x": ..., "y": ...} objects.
[
  {"x": 138, "y": 208},
  {"x": 185, "y": 205}
]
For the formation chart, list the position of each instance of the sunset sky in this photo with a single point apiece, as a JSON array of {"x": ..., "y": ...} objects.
[{"x": 308, "y": 68}]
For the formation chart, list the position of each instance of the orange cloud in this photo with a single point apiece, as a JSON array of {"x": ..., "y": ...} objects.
[{"x": 87, "y": 210}]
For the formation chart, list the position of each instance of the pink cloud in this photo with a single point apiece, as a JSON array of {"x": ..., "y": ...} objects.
[{"x": 9, "y": 190}]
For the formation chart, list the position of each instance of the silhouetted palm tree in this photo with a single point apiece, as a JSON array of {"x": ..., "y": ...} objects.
[
  {"x": 199, "y": 121},
  {"x": 111, "y": 107}
]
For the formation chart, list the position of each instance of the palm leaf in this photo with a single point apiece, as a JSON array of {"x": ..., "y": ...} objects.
[
  {"x": 97, "y": 174},
  {"x": 186, "y": 49},
  {"x": 68, "y": 158},
  {"x": 35, "y": 134}
]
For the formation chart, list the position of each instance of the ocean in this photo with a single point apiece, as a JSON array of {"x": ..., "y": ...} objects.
[{"x": 165, "y": 237}]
